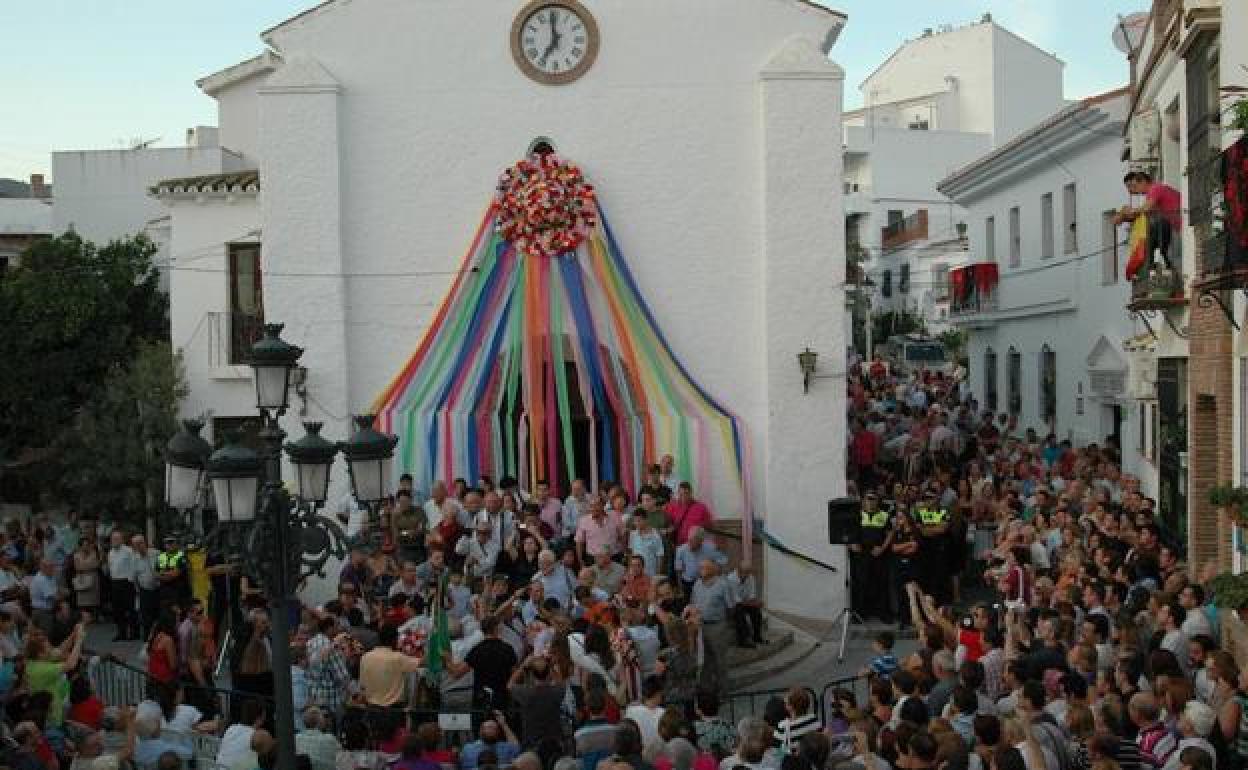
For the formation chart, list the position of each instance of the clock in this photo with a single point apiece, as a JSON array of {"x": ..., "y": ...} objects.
[{"x": 554, "y": 42}]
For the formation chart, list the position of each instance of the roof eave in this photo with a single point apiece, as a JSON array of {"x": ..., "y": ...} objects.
[{"x": 236, "y": 73}]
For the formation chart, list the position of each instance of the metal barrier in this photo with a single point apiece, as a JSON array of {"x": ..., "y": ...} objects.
[
  {"x": 751, "y": 704},
  {"x": 119, "y": 684}
]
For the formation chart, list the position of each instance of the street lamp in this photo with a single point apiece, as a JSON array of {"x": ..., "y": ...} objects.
[
  {"x": 312, "y": 457},
  {"x": 234, "y": 471},
  {"x": 369, "y": 453},
  {"x": 285, "y": 537},
  {"x": 272, "y": 361},
  {"x": 185, "y": 456}
]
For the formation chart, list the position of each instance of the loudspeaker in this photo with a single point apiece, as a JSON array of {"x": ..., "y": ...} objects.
[{"x": 844, "y": 518}]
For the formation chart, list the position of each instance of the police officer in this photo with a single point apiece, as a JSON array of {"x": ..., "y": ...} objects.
[
  {"x": 173, "y": 573},
  {"x": 934, "y": 564},
  {"x": 869, "y": 562}
]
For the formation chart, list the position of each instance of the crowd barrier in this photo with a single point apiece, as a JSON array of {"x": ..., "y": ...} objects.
[{"x": 119, "y": 684}]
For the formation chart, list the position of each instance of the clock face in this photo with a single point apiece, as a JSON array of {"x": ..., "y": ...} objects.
[{"x": 554, "y": 42}]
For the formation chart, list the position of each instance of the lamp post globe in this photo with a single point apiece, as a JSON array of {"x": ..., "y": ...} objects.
[
  {"x": 234, "y": 471},
  {"x": 272, "y": 361},
  {"x": 312, "y": 457},
  {"x": 185, "y": 457},
  {"x": 369, "y": 456}
]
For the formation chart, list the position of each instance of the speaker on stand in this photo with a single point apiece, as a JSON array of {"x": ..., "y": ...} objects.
[{"x": 844, "y": 522}]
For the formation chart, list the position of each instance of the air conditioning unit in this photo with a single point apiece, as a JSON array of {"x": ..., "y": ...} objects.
[{"x": 1144, "y": 137}]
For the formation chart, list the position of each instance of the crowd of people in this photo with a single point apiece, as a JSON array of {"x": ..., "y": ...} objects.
[
  {"x": 1058, "y": 625},
  {"x": 585, "y": 626}
]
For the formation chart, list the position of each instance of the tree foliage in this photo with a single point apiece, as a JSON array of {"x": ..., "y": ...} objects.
[
  {"x": 113, "y": 454},
  {"x": 80, "y": 323}
]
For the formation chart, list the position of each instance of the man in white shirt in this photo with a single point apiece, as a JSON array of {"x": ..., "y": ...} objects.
[
  {"x": 1195, "y": 622},
  {"x": 43, "y": 595},
  {"x": 433, "y": 506},
  {"x": 146, "y": 582},
  {"x": 576, "y": 505},
  {"x": 480, "y": 550},
  {"x": 648, "y": 712},
  {"x": 121, "y": 586}
]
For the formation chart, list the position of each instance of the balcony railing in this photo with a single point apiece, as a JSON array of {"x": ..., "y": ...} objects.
[
  {"x": 230, "y": 337},
  {"x": 1157, "y": 288},
  {"x": 901, "y": 232},
  {"x": 973, "y": 289}
]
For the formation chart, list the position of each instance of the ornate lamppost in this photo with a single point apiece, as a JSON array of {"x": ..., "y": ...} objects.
[{"x": 284, "y": 539}]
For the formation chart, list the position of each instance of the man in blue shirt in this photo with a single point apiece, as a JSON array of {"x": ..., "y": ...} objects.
[
  {"x": 689, "y": 558},
  {"x": 493, "y": 732}
]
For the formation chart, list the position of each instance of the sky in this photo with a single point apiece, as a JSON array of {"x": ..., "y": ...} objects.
[{"x": 101, "y": 74}]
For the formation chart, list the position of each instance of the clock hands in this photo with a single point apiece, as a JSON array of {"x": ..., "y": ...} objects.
[{"x": 555, "y": 37}]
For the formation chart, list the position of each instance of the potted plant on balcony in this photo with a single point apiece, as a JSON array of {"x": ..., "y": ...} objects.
[
  {"x": 1161, "y": 283},
  {"x": 1230, "y": 592},
  {"x": 1231, "y": 499}
]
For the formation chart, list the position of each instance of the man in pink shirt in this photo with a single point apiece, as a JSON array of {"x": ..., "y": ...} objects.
[
  {"x": 1159, "y": 198},
  {"x": 552, "y": 509},
  {"x": 597, "y": 532},
  {"x": 687, "y": 513}
]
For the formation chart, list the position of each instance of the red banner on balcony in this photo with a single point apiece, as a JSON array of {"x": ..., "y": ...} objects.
[
  {"x": 985, "y": 276},
  {"x": 958, "y": 284}
]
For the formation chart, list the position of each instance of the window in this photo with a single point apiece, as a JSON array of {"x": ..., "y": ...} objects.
[
  {"x": 1046, "y": 225},
  {"x": 1048, "y": 386},
  {"x": 246, "y": 300},
  {"x": 903, "y": 279},
  {"x": 918, "y": 125},
  {"x": 1141, "y": 435},
  {"x": 1109, "y": 249},
  {"x": 990, "y": 380},
  {"x": 1014, "y": 381},
  {"x": 896, "y": 217},
  {"x": 990, "y": 239},
  {"x": 886, "y": 283},
  {"x": 940, "y": 282},
  {"x": 1016, "y": 238},
  {"x": 1070, "y": 220}
]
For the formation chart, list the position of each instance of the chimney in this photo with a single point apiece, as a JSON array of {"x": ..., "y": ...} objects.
[{"x": 37, "y": 188}]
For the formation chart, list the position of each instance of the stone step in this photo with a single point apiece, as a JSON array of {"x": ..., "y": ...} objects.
[{"x": 784, "y": 652}]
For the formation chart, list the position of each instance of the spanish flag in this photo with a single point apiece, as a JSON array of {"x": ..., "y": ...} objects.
[{"x": 1138, "y": 246}]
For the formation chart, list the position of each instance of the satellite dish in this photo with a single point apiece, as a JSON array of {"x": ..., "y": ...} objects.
[{"x": 1129, "y": 31}]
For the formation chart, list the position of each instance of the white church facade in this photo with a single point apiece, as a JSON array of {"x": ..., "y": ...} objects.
[{"x": 373, "y": 134}]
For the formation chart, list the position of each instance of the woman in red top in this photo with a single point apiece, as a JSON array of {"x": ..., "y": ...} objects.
[
  {"x": 86, "y": 708},
  {"x": 162, "y": 651}
]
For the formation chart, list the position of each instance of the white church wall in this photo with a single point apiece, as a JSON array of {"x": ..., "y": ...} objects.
[{"x": 419, "y": 160}]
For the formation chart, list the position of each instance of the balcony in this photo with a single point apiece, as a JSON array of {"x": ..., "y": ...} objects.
[
  {"x": 857, "y": 198},
  {"x": 1157, "y": 288},
  {"x": 898, "y": 234},
  {"x": 973, "y": 290},
  {"x": 230, "y": 337}
]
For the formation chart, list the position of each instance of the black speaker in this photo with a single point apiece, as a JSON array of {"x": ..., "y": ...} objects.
[{"x": 844, "y": 518}]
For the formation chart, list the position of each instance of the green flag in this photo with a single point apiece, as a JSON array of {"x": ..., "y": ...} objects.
[{"x": 439, "y": 643}]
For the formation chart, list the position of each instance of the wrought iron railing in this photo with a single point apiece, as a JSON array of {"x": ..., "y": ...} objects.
[{"x": 230, "y": 337}]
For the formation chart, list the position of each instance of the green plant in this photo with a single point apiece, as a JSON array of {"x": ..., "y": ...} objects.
[
  {"x": 1234, "y": 499},
  {"x": 1239, "y": 116},
  {"x": 1230, "y": 591}
]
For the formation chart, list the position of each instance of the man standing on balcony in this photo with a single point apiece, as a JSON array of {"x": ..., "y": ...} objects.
[{"x": 1162, "y": 200}]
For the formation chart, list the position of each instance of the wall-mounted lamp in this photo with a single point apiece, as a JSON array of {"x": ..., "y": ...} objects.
[
  {"x": 299, "y": 378},
  {"x": 808, "y": 360}
]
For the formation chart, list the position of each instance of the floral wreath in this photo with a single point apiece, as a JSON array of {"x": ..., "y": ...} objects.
[{"x": 545, "y": 206}]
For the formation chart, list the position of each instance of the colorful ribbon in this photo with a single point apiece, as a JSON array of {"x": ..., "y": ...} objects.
[{"x": 490, "y": 388}]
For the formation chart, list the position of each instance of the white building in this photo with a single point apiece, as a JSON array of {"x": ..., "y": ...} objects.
[
  {"x": 22, "y": 222},
  {"x": 103, "y": 194},
  {"x": 1044, "y": 297},
  {"x": 377, "y": 130},
  {"x": 939, "y": 101},
  {"x": 1188, "y": 63}
]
